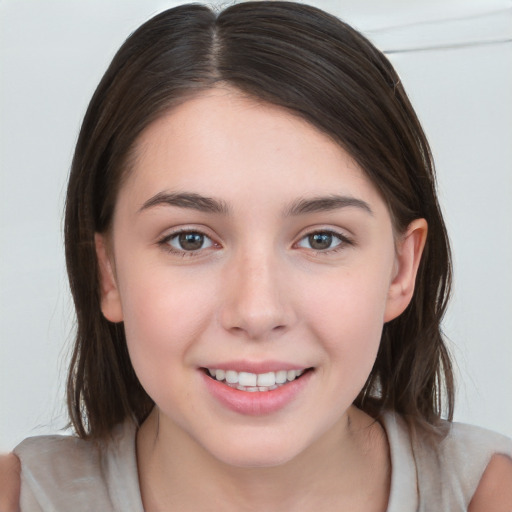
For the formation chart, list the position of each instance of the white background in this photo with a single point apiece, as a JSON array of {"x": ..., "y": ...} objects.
[{"x": 455, "y": 59}]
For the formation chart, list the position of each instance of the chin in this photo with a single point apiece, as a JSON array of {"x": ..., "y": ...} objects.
[{"x": 257, "y": 451}]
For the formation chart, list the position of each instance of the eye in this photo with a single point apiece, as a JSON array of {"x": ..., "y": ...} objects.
[
  {"x": 188, "y": 241},
  {"x": 323, "y": 241}
]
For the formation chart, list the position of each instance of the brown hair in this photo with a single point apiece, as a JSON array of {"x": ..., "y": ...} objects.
[{"x": 316, "y": 66}]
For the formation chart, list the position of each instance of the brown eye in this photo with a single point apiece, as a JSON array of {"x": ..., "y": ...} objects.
[
  {"x": 190, "y": 241},
  {"x": 322, "y": 241}
]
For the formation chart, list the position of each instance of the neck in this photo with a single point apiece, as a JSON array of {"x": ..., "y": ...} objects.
[{"x": 351, "y": 457}]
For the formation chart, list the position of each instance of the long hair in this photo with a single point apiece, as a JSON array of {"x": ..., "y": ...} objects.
[{"x": 314, "y": 65}]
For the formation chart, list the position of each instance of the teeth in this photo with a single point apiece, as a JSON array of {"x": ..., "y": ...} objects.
[
  {"x": 231, "y": 377},
  {"x": 246, "y": 381},
  {"x": 281, "y": 376},
  {"x": 266, "y": 379}
]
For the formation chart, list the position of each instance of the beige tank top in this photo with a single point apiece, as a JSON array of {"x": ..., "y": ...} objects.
[{"x": 63, "y": 473}]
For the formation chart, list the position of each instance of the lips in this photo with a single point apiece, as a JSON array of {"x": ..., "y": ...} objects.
[{"x": 255, "y": 393}]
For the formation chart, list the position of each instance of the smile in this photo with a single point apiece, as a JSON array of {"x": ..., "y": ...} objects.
[
  {"x": 256, "y": 394},
  {"x": 252, "y": 382}
]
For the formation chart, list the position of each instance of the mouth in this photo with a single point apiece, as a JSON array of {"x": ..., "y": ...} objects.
[
  {"x": 259, "y": 392},
  {"x": 255, "y": 382}
]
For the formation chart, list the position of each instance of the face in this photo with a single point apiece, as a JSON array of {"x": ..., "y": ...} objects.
[{"x": 249, "y": 246}]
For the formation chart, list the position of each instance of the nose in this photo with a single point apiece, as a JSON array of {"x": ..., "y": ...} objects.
[{"x": 256, "y": 301}]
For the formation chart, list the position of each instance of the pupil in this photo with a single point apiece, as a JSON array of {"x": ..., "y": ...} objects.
[
  {"x": 191, "y": 241},
  {"x": 320, "y": 240}
]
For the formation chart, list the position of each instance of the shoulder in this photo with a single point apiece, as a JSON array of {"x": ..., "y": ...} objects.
[
  {"x": 69, "y": 473},
  {"x": 57, "y": 454},
  {"x": 55, "y": 467},
  {"x": 494, "y": 492},
  {"x": 9, "y": 483},
  {"x": 481, "y": 438},
  {"x": 69, "y": 455},
  {"x": 469, "y": 445},
  {"x": 470, "y": 461},
  {"x": 458, "y": 466}
]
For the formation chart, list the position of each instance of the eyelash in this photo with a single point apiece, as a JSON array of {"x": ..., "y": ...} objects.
[
  {"x": 344, "y": 241},
  {"x": 165, "y": 242}
]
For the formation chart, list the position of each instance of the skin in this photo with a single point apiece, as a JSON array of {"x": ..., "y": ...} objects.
[
  {"x": 494, "y": 491},
  {"x": 9, "y": 482},
  {"x": 256, "y": 291}
]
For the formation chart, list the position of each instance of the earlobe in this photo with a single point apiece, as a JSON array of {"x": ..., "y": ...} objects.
[
  {"x": 110, "y": 298},
  {"x": 408, "y": 257}
]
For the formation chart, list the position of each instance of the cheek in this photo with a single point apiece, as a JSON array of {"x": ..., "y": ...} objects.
[
  {"x": 347, "y": 314},
  {"x": 164, "y": 315}
]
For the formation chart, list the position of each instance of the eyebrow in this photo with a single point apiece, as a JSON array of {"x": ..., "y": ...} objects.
[
  {"x": 325, "y": 204},
  {"x": 187, "y": 200},
  {"x": 300, "y": 206}
]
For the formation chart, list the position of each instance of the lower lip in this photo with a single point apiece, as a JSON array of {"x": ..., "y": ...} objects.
[{"x": 256, "y": 403}]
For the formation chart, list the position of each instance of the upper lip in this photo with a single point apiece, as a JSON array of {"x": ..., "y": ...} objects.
[{"x": 255, "y": 366}]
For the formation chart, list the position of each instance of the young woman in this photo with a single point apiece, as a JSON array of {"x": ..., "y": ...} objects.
[{"x": 259, "y": 267}]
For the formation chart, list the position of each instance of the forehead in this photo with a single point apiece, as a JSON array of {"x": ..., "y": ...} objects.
[{"x": 236, "y": 147}]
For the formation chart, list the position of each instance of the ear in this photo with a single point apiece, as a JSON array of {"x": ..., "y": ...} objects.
[
  {"x": 110, "y": 298},
  {"x": 408, "y": 256}
]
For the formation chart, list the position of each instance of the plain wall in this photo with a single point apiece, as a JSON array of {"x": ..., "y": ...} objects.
[{"x": 454, "y": 58}]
